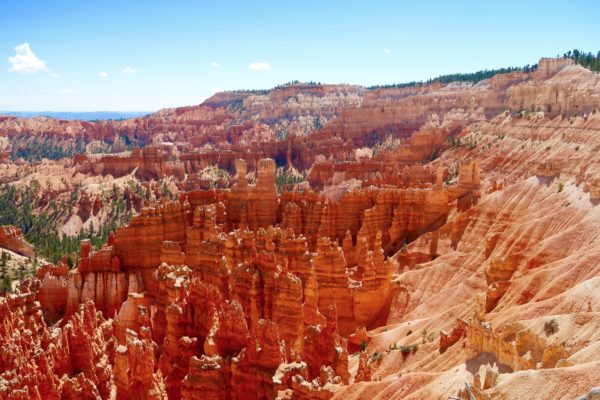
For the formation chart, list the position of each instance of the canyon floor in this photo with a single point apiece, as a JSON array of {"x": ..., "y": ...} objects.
[{"x": 429, "y": 241}]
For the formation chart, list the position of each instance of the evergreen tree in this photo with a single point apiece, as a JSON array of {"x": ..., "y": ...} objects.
[
  {"x": 587, "y": 60},
  {"x": 473, "y": 77},
  {"x": 4, "y": 264},
  {"x": 23, "y": 269},
  {"x": 5, "y": 278}
]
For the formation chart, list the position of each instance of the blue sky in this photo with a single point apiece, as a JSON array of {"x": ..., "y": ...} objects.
[{"x": 146, "y": 55}]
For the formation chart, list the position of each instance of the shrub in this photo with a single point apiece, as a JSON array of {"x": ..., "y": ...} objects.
[
  {"x": 431, "y": 336},
  {"x": 406, "y": 350},
  {"x": 454, "y": 143},
  {"x": 551, "y": 327},
  {"x": 286, "y": 180},
  {"x": 6, "y": 284},
  {"x": 561, "y": 186},
  {"x": 363, "y": 345}
]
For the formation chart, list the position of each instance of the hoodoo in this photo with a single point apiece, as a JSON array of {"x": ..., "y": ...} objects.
[{"x": 421, "y": 241}]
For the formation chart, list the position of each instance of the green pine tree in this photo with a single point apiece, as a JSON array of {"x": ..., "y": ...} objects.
[{"x": 5, "y": 278}]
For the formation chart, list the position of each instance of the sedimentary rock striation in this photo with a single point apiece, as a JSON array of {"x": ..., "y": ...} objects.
[
  {"x": 11, "y": 238},
  {"x": 63, "y": 362},
  {"x": 240, "y": 284},
  {"x": 445, "y": 245}
]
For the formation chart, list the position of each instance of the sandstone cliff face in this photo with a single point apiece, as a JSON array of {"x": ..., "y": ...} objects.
[
  {"x": 71, "y": 361},
  {"x": 497, "y": 271},
  {"x": 448, "y": 239},
  {"x": 11, "y": 238},
  {"x": 135, "y": 371},
  {"x": 338, "y": 118},
  {"x": 235, "y": 295},
  {"x": 99, "y": 278},
  {"x": 151, "y": 162},
  {"x": 53, "y": 291}
]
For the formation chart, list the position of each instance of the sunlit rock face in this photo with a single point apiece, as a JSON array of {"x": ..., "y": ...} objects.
[
  {"x": 11, "y": 238},
  {"x": 444, "y": 245}
]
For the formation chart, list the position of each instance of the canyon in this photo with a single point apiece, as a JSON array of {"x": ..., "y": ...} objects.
[{"x": 427, "y": 241}]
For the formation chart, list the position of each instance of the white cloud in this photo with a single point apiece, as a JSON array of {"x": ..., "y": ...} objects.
[
  {"x": 260, "y": 66},
  {"x": 102, "y": 74},
  {"x": 25, "y": 61},
  {"x": 387, "y": 51},
  {"x": 215, "y": 64},
  {"x": 69, "y": 91},
  {"x": 129, "y": 70}
]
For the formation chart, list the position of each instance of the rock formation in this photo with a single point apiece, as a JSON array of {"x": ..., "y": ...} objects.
[
  {"x": 11, "y": 238},
  {"x": 71, "y": 361},
  {"x": 443, "y": 245}
]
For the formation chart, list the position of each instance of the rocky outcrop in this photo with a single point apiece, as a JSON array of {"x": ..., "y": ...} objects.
[
  {"x": 325, "y": 348},
  {"x": 365, "y": 369},
  {"x": 99, "y": 278},
  {"x": 338, "y": 118},
  {"x": 270, "y": 272},
  {"x": 515, "y": 346},
  {"x": 138, "y": 245},
  {"x": 151, "y": 162},
  {"x": 53, "y": 292},
  {"x": 425, "y": 203},
  {"x": 70, "y": 361},
  {"x": 459, "y": 331},
  {"x": 135, "y": 372},
  {"x": 252, "y": 374},
  {"x": 11, "y": 238},
  {"x": 207, "y": 378}
]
